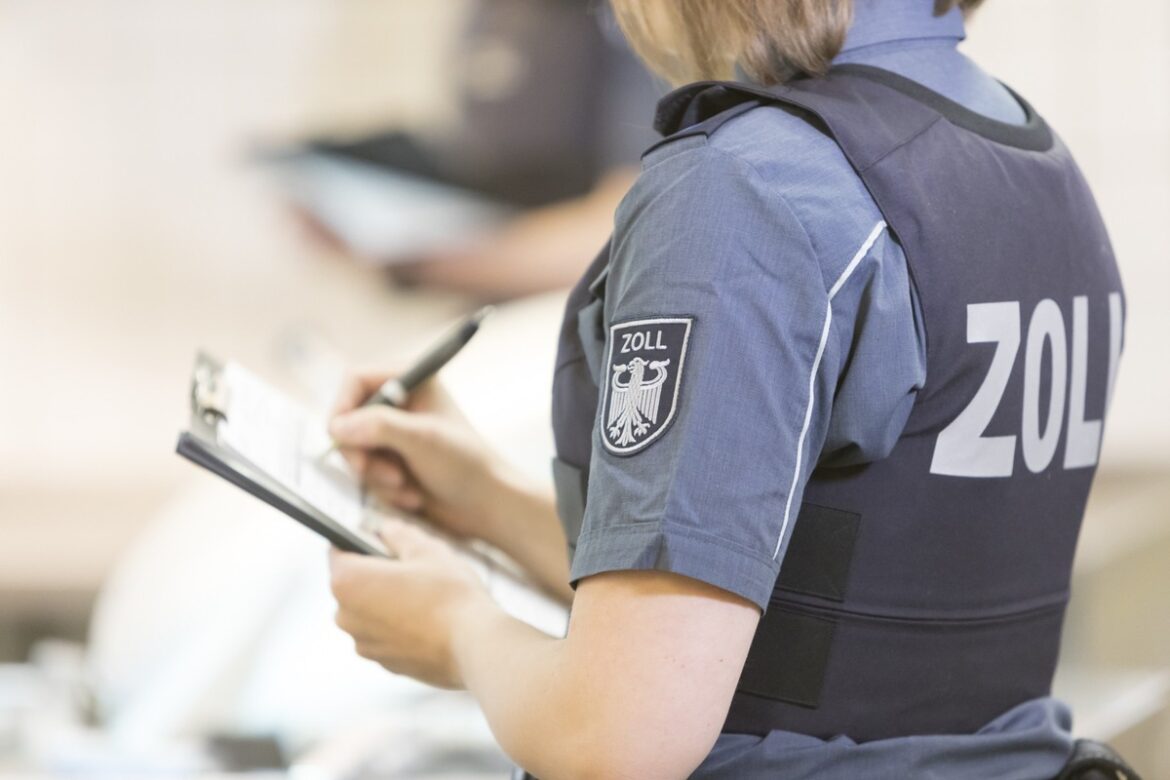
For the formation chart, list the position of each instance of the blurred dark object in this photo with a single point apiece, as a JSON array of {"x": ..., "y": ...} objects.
[
  {"x": 235, "y": 753},
  {"x": 394, "y": 150},
  {"x": 384, "y": 198},
  {"x": 551, "y": 97},
  {"x": 1096, "y": 761},
  {"x": 516, "y": 196}
]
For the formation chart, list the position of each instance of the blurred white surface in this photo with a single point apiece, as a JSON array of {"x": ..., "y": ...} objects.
[
  {"x": 133, "y": 228},
  {"x": 132, "y": 231}
]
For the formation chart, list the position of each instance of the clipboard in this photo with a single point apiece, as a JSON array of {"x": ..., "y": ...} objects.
[
  {"x": 201, "y": 444},
  {"x": 352, "y": 526}
]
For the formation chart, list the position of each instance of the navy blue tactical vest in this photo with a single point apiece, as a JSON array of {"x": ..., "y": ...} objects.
[{"x": 924, "y": 593}]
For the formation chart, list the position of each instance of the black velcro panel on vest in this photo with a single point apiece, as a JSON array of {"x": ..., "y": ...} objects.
[
  {"x": 790, "y": 651},
  {"x": 788, "y": 657},
  {"x": 820, "y": 552}
]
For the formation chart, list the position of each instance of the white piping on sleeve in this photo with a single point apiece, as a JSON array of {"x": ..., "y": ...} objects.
[{"x": 812, "y": 377}]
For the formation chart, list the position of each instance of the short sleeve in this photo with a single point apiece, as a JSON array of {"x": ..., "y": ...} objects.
[{"x": 710, "y": 266}]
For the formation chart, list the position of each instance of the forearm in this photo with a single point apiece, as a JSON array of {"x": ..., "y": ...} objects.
[
  {"x": 521, "y": 520},
  {"x": 518, "y": 677},
  {"x": 639, "y": 688},
  {"x": 557, "y": 713}
]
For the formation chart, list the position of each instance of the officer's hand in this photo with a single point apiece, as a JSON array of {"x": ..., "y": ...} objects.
[
  {"x": 425, "y": 458},
  {"x": 402, "y": 612}
]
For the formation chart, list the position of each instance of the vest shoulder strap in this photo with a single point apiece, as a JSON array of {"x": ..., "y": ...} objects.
[{"x": 853, "y": 104}]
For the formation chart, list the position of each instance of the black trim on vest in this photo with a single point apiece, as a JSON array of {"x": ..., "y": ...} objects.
[
  {"x": 683, "y": 111},
  {"x": 1034, "y": 135},
  {"x": 690, "y": 104}
]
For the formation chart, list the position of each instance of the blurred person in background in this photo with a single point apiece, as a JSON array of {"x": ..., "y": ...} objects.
[
  {"x": 745, "y": 379},
  {"x": 553, "y": 112}
]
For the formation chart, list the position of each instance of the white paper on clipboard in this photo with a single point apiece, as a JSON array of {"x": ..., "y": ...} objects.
[{"x": 284, "y": 440}]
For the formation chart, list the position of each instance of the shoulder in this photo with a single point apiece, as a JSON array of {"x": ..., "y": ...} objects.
[{"x": 769, "y": 163}]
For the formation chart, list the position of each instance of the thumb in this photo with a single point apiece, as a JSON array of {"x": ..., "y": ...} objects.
[
  {"x": 403, "y": 540},
  {"x": 378, "y": 427}
]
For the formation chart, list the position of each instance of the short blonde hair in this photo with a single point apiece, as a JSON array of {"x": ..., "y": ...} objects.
[{"x": 770, "y": 41}]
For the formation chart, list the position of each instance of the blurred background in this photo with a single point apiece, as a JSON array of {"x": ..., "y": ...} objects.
[{"x": 157, "y": 196}]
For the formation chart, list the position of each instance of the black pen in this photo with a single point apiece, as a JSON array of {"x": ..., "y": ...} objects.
[{"x": 394, "y": 392}]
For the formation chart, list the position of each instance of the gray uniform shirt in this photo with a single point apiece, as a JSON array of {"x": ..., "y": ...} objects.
[{"x": 754, "y": 233}]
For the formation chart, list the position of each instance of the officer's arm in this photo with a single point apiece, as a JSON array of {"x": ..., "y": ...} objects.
[{"x": 639, "y": 688}]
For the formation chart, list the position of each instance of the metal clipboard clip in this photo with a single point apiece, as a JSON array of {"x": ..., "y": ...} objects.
[{"x": 209, "y": 391}]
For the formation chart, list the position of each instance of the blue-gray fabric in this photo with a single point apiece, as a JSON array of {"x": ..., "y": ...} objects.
[
  {"x": 749, "y": 231},
  {"x": 707, "y": 497},
  {"x": 743, "y": 200},
  {"x": 1030, "y": 742}
]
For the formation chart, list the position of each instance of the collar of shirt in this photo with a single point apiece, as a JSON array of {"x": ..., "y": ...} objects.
[{"x": 878, "y": 22}]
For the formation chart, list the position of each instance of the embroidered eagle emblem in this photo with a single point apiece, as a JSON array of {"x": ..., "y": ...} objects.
[
  {"x": 633, "y": 406},
  {"x": 641, "y": 382}
]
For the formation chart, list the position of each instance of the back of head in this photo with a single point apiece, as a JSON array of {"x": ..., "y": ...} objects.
[{"x": 769, "y": 41}]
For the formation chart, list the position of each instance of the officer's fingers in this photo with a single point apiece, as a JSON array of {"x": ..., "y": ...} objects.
[
  {"x": 356, "y": 388},
  {"x": 403, "y": 540},
  {"x": 358, "y": 460},
  {"x": 384, "y": 472},
  {"x": 350, "y": 395},
  {"x": 356, "y": 580},
  {"x": 380, "y": 427},
  {"x": 388, "y": 476},
  {"x": 346, "y": 574},
  {"x": 429, "y": 397},
  {"x": 408, "y": 498},
  {"x": 432, "y": 396}
]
